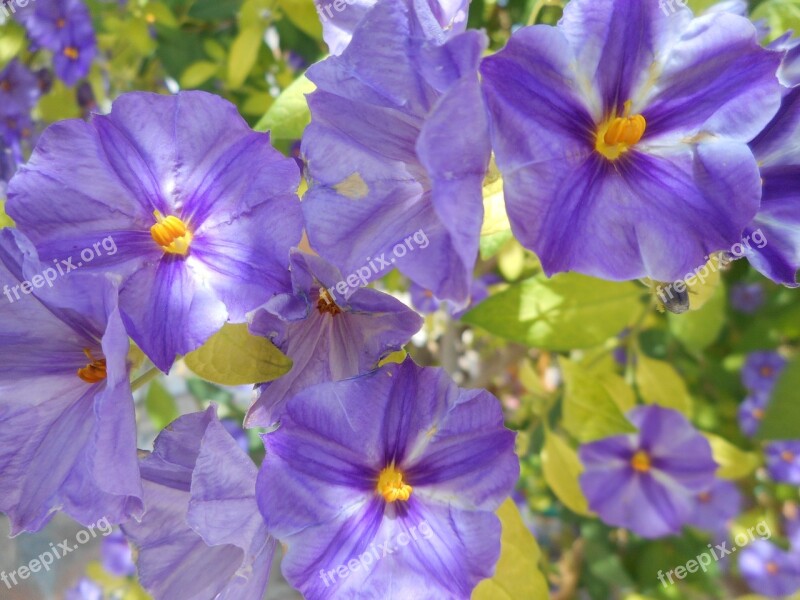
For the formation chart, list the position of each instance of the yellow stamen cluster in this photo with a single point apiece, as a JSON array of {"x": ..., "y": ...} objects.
[
  {"x": 618, "y": 134},
  {"x": 171, "y": 234},
  {"x": 391, "y": 485},
  {"x": 788, "y": 456},
  {"x": 772, "y": 568},
  {"x": 71, "y": 53},
  {"x": 641, "y": 462},
  {"x": 94, "y": 371},
  {"x": 61, "y": 23},
  {"x": 326, "y": 304}
]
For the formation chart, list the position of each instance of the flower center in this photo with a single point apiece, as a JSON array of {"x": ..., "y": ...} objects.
[
  {"x": 391, "y": 485},
  {"x": 767, "y": 371},
  {"x": 788, "y": 456},
  {"x": 171, "y": 234},
  {"x": 325, "y": 304},
  {"x": 758, "y": 414},
  {"x": 772, "y": 568},
  {"x": 705, "y": 497},
  {"x": 616, "y": 136},
  {"x": 71, "y": 52},
  {"x": 60, "y": 23},
  {"x": 95, "y": 370},
  {"x": 5, "y": 85},
  {"x": 641, "y": 462}
]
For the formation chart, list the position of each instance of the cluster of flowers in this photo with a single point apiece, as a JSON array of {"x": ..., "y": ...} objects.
[
  {"x": 63, "y": 27},
  {"x": 624, "y": 138}
]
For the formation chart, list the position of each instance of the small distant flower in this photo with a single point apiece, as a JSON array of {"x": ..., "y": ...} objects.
[
  {"x": 67, "y": 423},
  {"x": 761, "y": 370},
  {"x": 623, "y": 154},
  {"x": 401, "y": 459},
  {"x": 443, "y": 18},
  {"x": 117, "y": 556},
  {"x": 328, "y": 337},
  {"x": 715, "y": 508},
  {"x": 398, "y": 144},
  {"x": 792, "y": 524},
  {"x": 85, "y": 589},
  {"x": 19, "y": 90},
  {"x": 747, "y": 298},
  {"x": 783, "y": 462},
  {"x": 201, "y": 210},
  {"x": 770, "y": 571},
  {"x": 202, "y": 535},
  {"x": 648, "y": 482},
  {"x": 425, "y": 302},
  {"x": 752, "y": 411}
]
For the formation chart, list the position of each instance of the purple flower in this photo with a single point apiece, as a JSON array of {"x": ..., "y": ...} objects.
[
  {"x": 783, "y": 461},
  {"x": 117, "y": 555},
  {"x": 752, "y": 411},
  {"x": 67, "y": 424},
  {"x": 715, "y": 508},
  {"x": 777, "y": 224},
  {"x": 792, "y": 525},
  {"x": 648, "y": 481},
  {"x": 19, "y": 90},
  {"x": 192, "y": 208},
  {"x": 328, "y": 337},
  {"x": 384, "y": 486},
  {"x": 74, "y": 60},
  {"x": 65, "y": 28},
  {"x": 240, "y": 435},
  {"x": 770, "y": 571},
  {"x": 398, "y": 147},
  {"x": 622, "y": 136},
  {"x": 439, "y": 18},
  {"x": 85, "y": 589},
  {"x": 747, "y": 298},
  {"x": 761, "y": 370},
  {"x": 202, "y": 535},
  {"x": 13, "y": 131},
  {"x": 425, "y": 302}
]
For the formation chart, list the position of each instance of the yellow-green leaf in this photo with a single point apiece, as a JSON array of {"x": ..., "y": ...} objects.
[
  {"x": 289, "y": 114},
  {"x": 160, "y": 405},
  {"x": 590, "y": 412},
  {"x": 244, "y": 54},
  {"x": 304, "y": 15},
  {"x": 5, "y": 220},
  {"x": 698, "y": 329},
  {"x": 562, "y": 470},
  {"x": 734, "y": 463},
  {"x": 518, "y": 575},
  {"x": 495, "y": 218},
  {"x": 158, "y": 12},
  {"x": 659, "y": 383},
  {"x": 198, "y": 73},
  {"x": 235, "y": 357},
  {"x": 568, "y": 311}
]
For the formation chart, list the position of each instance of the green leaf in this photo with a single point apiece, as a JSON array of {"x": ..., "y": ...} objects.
[
  {"x": 235, "y": 357},
  {"x": 698, "y": 329},
  {"x": 781, "y": 15},
  {"x": 734, "y": 463},
  {"x": 590, "y": 411},
  {"x": 517, "y": 575},
  {"x": 159, "y": 13},
  {"x": 12, "y": 42},
  {"x": 198, "y": 73},
  {"x": 5, "y": 220},
  {"x": 214, "y": 10},
  {"x": 569, "y": 311},
  {"x": 659, "y": 383},
  {"x": 304, "y": 15},
  {"x": 562, "y": 470},
  {"x": 160, "y": 405},
  {"x": 244, "y": 54},
  {"x": 782, "y": 420},
  {"x": 289, "y": 114}
]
